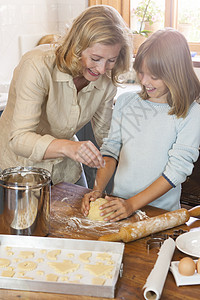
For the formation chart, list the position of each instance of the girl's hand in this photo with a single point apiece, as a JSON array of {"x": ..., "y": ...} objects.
[
  {"x": 85, "y": 205},
  {"x": 121, "y": 209},
  {"x": 85, "y": 152}
]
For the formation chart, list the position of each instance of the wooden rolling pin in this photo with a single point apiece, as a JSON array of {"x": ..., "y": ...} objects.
[{"x": 144, "y": 228}]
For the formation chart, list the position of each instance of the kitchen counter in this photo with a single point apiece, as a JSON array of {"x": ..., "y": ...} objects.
[{"x": 137, "y": 260}]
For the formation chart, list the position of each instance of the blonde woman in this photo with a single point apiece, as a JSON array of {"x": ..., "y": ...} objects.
[
  {"x": 56, "y": 90},
  {"x": 154, "y": 137}
]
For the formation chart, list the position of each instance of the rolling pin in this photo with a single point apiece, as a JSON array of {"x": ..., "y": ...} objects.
[{"x": 144, "y": 228}]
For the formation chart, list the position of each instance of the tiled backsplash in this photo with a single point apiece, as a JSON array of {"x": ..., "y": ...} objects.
[{"x": 34, "y": 17}]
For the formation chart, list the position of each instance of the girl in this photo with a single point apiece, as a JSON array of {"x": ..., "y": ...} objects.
[{"x": 154, "y": 137}]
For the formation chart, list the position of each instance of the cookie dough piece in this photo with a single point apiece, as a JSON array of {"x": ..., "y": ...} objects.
[
  {"x": 27, "y": 266},
  {"x": 53, "y": 254},
  {"x": 67, "y": 266},
  {"x": 64, "y": 278},
  {"x": 51, "y": 277},
  {"x": 70, "y": 254},
  {"x": 40, "y": 273},
  {"x": 26, "y": 254},
  {"x": 26, "y": 277},
  {"x": 99, "y": 269},
  {"x": 7, "y": 273},
  {"x": 98, "y": 281},
  {"x": 84, "y": 257},
  {"x": 94, "y": 212},
  {"x": 4, "y": 262},
  {"x": 104, "y": 256}
]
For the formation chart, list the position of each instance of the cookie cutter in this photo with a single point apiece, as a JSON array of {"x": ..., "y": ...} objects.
[
  {"x": 176, "y": 233},
  {"x": 156, "y": 240}
]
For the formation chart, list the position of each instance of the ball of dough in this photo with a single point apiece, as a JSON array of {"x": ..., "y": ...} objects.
[{"x": 94, "y": 212}]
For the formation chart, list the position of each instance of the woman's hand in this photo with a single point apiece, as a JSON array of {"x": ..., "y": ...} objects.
[
  {"x": 85, "y": 205},
  {"x": 84, "y": 152},
  {"x": 121, "y": 208}
]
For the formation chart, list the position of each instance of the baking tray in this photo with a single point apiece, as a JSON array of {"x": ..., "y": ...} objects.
[{"x": 70, "y": 249}]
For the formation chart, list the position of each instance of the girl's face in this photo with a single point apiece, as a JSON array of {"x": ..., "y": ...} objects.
[
  {"x": 155, "y": 87},
  {"x": 98, "y": 59}
]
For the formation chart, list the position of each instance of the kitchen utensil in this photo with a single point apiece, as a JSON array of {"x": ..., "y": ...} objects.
[
  {"x": 189, "y": 243},
  {"x": 144, "y": 228},
  {"x": 25, "y": 200}
]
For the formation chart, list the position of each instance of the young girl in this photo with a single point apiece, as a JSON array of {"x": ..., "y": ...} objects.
[{"x": 154, "y": 136}]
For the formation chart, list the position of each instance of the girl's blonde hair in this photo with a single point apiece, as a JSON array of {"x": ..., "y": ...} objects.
[
  {"x": 97, "y": 24},
  {"x": 167, "y": 56}
]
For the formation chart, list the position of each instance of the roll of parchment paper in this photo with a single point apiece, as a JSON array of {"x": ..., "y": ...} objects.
[{"x": 156, "y": 279}]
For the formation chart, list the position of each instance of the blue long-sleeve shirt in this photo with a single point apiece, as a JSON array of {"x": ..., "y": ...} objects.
[{"x": 148, "y": 143}]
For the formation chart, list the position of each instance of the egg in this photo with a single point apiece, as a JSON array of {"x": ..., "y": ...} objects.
[
  {"x": 198, "y": 266},
  {"x": 187, "y": 266}
]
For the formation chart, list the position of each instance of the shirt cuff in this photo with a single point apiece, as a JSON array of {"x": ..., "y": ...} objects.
[{"x": 41, "y": 147}]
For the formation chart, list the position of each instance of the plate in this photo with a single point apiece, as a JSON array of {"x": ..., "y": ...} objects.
[
  {"x": 189, "y": 243},
  {"x": 184, "y": 280}
]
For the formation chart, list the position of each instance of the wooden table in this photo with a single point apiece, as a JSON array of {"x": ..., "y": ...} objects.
[{"x": 137, "y": 260}]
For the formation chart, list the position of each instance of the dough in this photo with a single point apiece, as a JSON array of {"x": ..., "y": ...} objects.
[
  {"x": 64, "y": 278},
  {"x": 53, "y": 254},
  {"x": 27, "y": 265},
  {"x": 40, "y": 273},
  {"x": 40, "y": 260},
  {"x": 94, "y": 212},
  {"x": 104, "y": 256},
  {"x": 99, "y": 269},
  {"x": 7, "y": 273},
  {"x": 51, "y": 277},
  {"x": 4, "y": 262},
  {"x": 84, "y": 257},
  {"x": 67, "y": 266},
  {"x": 26, "y": 254},
  {"x": 98, "y": 281}
]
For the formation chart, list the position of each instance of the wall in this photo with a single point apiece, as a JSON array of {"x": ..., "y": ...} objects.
[{"x": 20, "y": 19}]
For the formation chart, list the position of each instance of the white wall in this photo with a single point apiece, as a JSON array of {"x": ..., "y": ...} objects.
[{"x": 22, "y": 18}]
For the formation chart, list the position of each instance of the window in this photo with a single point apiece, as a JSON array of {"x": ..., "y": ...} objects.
[
  {"x": 165, "y": 13},
  {"x": 184, "y": 15}
]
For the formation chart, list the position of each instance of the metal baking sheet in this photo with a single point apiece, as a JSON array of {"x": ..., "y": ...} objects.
[{"x": 11, "y": 246}]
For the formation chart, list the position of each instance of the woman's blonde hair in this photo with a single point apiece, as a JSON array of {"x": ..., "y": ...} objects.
[
  {"x": 97, "y": 24},
  {"x": 167, "y": 56}
]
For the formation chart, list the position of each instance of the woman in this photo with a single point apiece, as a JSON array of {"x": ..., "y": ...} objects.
[
  {"x": 56, "y": 90},
  {"x": 154, "y": 136}
]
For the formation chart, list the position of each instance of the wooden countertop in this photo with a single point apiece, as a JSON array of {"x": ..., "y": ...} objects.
[{"x": 137, "y": 260}]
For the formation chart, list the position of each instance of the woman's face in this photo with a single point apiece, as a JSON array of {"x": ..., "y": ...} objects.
[
  {"x": 155, "y": 87},
  {"x": 98, "y": 59}
]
